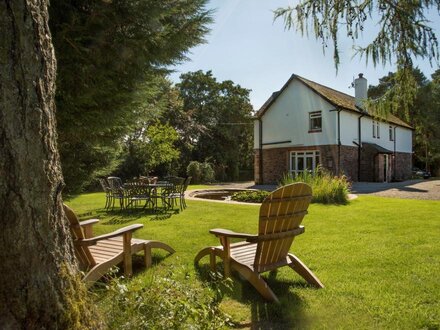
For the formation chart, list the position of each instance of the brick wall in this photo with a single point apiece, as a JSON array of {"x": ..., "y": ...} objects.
[
  {"x": 403, "y": 163},
  {"x": 276, "y": 163},
  {"x": 368, "y": 164}
]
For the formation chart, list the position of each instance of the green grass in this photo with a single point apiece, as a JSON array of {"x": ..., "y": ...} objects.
[{"x": 379, "y": 259}]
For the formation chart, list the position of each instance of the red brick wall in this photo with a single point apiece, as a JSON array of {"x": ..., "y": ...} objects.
[
  {"x": 403, "y": 163},
  {"x": 276, "y": 163}
]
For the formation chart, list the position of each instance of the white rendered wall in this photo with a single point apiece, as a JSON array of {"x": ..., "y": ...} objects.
[
  {"x": 349, "y": 133},
  {"x": 288, "y": 119},
  {"x": 256, "y": 134}
]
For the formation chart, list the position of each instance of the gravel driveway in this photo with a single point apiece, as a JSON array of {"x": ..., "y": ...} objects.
[{"x": 411, "y": 189}]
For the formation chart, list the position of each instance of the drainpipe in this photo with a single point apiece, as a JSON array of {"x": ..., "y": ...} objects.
[
  {"x": 339, "y": 142},
  {"x": 339, "y": 138},
  {"x": 359, "y": 146},
  {"x": 394, "y": 158},
  {"x": 260, "y": 122}
]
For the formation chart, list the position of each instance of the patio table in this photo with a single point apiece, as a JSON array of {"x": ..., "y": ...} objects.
[{"x": 141, "y": 191}]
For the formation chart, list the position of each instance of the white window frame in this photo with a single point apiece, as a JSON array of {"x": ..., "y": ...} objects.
[
  {"x": 315, "y": 115},
  {"x": 376, "y": 129},
  {"x": 295, "y": 155},
  {"x": 391, "y": 133}
]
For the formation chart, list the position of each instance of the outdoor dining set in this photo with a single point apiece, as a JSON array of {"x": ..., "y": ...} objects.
[{"x": 146, "y": 192}]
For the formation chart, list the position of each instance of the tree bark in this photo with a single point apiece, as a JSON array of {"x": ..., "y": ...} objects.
[{"x": 39, "y": 287}]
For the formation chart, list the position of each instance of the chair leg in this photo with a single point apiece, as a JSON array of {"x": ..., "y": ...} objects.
[
  {"x": 154, "y": 245},
  {"x": 298, "y": 266},
  {"x": 213, "y": 253},
  {"x": 255, "y": 279}
]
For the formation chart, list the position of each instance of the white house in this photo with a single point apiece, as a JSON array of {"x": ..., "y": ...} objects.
[{"x": 306, "y": 124}]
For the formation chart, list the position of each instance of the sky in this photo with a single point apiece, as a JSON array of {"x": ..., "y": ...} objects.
[{"x": 247, "y": 46}]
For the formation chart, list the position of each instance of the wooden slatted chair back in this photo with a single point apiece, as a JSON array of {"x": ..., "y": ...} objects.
[
  {"x": 281, "y": 214},
  {"x": 82, "y": 253}
]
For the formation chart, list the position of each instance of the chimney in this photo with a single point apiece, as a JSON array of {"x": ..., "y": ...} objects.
[{"x": 360, "y": 90}]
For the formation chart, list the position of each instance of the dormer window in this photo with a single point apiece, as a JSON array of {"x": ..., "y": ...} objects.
[{"x": 315, "y": 121}]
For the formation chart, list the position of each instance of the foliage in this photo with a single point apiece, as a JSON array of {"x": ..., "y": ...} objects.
[
  {"x": 200, "y": 172},
  {"x": 326, "y": 189},
  {"x": 169, "y": 300},
  {"x": 404, "y": 33},
  {"x": 148, "y": 148},
  {"x": 207, "y": 173},
  {"x": 215, "y": 116},
  {"x": 250, "y": 196},
  {"x": 109, "y": 55},
  {"x": 424, "y": 116},
  {"x": 371, "y": 239}
]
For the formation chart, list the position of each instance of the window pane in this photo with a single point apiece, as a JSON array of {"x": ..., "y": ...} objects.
[
  {"x": 309, "y": 163},
  {"x": 315, "y": 121},
  {"x": 300, "y": 164}
]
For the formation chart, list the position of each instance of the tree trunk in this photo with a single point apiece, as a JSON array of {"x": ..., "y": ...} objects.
[{"x": 39, "y": 286}]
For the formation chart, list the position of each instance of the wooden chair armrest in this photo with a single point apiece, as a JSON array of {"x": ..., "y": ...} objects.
[
  {"x": 88, "y": 222},
  {"x": 116, "y": 233},
  {"x": 87, "y": 226},
  {"x": 232, "y": 234}
]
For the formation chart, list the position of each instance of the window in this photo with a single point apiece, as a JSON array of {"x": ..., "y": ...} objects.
[
  {"x": 301, "y": 161},
  {"x": 376, "y": 129},
  {"x": 315, "y": 120},
  {"x": 391, "y": 133}
]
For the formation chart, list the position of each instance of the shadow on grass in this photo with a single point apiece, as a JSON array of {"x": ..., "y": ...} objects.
[
  {"x": 122, "y": 217},
  {"x": 288, "y": 314},
  {"x": 138, "y": 269}
]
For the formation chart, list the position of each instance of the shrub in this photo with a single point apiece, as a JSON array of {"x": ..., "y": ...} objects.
[
  {"x": 200, "y": 172},
  {"x": 169, "y": 300},
  {"x": 327, "y": 189},
  {"x": 193, "y": 169},
  {"x": 207, "y": 172},
  {"x": 250, "y": 196}
]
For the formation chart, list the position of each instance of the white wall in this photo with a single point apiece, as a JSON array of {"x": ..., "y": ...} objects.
[
  {"x": 288, "y": 119},
  {"x": 349, "y": 133},
  {"x": 256, "y": 134}
]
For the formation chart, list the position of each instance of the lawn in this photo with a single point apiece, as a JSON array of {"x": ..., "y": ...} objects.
[{"x": 379, "y": 259}]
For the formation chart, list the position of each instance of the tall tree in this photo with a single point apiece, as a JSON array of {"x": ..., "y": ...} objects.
[
  {"x": 37, "y": 266},
  {"x": 221, "y": 113},
  {"x": 424, "y": 116},
  {"x": 107, "y": 52},
  {"x": 404, "y": 33}
]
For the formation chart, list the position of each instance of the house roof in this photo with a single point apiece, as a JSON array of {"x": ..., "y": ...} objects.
[{"x": 338, "y": 99}]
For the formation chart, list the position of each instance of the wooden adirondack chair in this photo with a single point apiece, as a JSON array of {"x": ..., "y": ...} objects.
[
  {"x": 281, "y": 214},
  {"x": 96, "y": 255}
]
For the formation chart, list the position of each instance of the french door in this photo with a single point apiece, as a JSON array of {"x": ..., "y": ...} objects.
[{"x": 301, "y": 161}]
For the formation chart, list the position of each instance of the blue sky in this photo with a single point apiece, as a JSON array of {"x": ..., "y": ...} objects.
[{"x": 246, "y": 46}]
